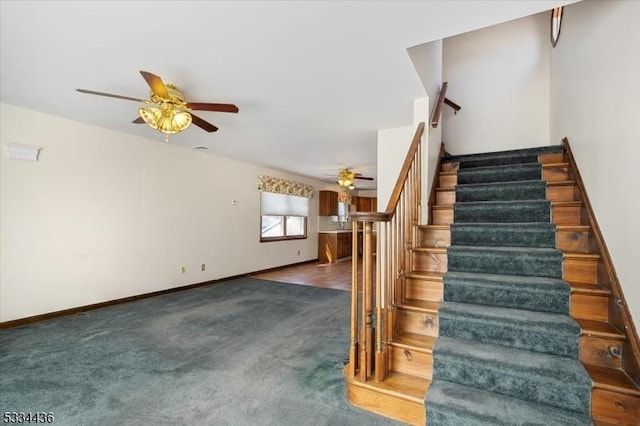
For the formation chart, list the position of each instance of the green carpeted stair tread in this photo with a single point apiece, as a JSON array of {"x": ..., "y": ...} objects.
[
  {"x": 505, "y": 173},
  {"x": 530, "y": 234},
  {"x": 497, "y": 161},
  {"x": 452, "y": 404},
  {"x": 507, "y": 349},
  {"x": 540, "y": 378},
  {"x": 502, "y": 191},
  {"x": 502, "y": 211},
  {"x": 509, "y": 291},
  {"x": 523, "y": 152},
  {"x": 543, "y": 332},
  {"x": 528, "y": 261}
]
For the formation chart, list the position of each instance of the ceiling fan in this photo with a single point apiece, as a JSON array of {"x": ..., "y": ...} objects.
[
  {"x": 166, "y": 110},
  {"x": 347, "y": 178}
]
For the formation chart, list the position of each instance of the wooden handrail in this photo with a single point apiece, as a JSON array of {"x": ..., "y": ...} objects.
[{"x": 437, "y": 110}]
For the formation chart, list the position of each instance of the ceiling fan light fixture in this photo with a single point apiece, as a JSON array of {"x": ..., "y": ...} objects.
[
  {"x": 346, "y": 179},
  {"x": 167, "y": 120}
]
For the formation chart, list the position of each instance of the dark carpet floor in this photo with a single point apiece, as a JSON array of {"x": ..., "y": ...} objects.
[{"x": 240, "y": 352}]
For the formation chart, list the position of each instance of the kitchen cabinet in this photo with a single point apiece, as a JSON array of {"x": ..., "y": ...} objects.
[
  {"x": 334, "y": 245},
  {"x": 345, "y": 244},
  {"x": 366, "y": 204},
  {"x": 328, "y": 203}
]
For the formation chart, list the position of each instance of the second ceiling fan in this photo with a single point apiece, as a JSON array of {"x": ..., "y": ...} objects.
[
  {"x": 347, "y": 178},
  {"x": 167, "y": 111}
]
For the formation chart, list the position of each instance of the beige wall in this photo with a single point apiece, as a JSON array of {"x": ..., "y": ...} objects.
[
  {"x": 595, "y": 103},
  {"x": 500, "y": 77},
  {"x": 104, "y": 215}
]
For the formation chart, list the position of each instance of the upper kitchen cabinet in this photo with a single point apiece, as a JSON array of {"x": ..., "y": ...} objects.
[
  {"x": 366, "y": 204},
  {"x": 328, "y": 203}
]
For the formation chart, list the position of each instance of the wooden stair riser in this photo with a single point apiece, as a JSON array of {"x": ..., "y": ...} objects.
[
  {"x": 573, "y": 240},
  {"x": 429, "y": 261},
  {"x": 614, "y": 408},
  {"x": 555, "y": 172},
  {"x": 434, "y": 236},
  {"x": 448, "y": 179},
  {"x": 424, "y": 289},
  {"x": 551, "y": 158},
  {"x": 424, "y": 323},
  {"x": 442, "y": 216},
  {"x": 415, "y": 362},
  {"x": 602, "y": 351},
  {"x": 450, "y": 167},
  {"x": 445, "y": 197},
  {"x": 561, "y": 192},
  {"x": 566, "y": 213},
  {"x": 581, "y": 268},
  {"x": 590, "y": 307}
]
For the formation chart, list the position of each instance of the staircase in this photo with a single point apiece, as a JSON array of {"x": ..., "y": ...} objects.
[{"x": 502, "y": 310}]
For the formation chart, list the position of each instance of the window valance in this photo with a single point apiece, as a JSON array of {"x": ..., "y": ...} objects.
[
  {"x": 284, "y": 186},
  {"x": 344, "y": 197}
]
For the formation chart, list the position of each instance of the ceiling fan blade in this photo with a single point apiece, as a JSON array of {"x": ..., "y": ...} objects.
[
  {"x": 138, "y": 120},
  {"x": 205, "y": 125},
  {"x": 109, "y": 95},
  {"x": 156, "y": 84},
  {"x": 199, "y": 106},
  {"x": 363, "y": 177}
]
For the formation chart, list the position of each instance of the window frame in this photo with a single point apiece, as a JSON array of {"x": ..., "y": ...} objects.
[
  {"x": 281, "y": 208},
  {"x": 285, "y": 237}
]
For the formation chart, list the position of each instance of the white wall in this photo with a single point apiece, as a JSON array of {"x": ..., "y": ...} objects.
[
  {"x": 393, "y": 145},
  {"x": 595, "y": 103},
  {"x": 427, "y": 59},
  {"x": 500, "y": 77},
  {"x": 104, "y": 215}
]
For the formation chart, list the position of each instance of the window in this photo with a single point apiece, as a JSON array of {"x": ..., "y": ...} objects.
[{"x": 283, "y": 217}]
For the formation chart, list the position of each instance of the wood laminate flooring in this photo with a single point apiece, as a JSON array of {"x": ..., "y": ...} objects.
[{"x": 328, "y": 275}]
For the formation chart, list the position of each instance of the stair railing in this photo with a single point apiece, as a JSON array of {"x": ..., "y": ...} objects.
[
  {"x": 442, "y": 100},
  {"x": 386, "y": 238}
]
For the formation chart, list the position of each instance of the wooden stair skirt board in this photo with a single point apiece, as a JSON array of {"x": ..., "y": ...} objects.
[{"x": 399, "y": 397}]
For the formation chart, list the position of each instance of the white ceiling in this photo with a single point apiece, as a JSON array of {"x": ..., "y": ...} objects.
[{"x": 314, "y": 80}]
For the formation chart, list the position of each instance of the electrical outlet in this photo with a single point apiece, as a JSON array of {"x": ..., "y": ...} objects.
[
  {"x": 202, "y": 268},
  {"x": 183, "y": 269}
]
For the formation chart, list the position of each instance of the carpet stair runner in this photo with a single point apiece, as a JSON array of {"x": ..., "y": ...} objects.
[{"x": 508, "y": 350}]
